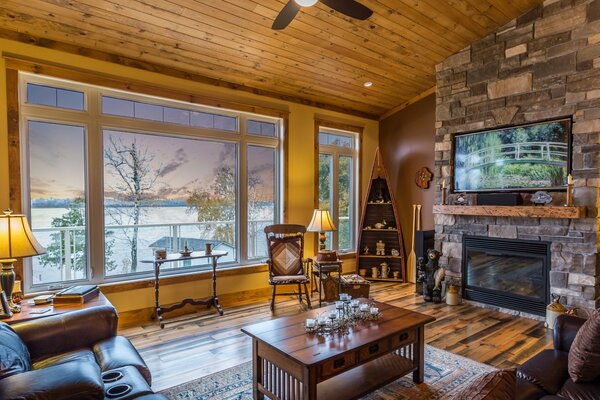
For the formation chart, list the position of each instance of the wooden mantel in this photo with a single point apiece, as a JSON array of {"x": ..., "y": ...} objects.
[{"x": 513, "y": 211}]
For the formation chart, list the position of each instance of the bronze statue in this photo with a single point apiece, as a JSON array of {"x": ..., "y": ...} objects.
[{"x": 431, "y": 275}]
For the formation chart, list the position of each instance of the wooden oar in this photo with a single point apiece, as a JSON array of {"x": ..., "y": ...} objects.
[{"x": 411, "y": 268}]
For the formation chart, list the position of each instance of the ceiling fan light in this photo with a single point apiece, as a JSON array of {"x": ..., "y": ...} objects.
[{"x": 306, "y": 3}]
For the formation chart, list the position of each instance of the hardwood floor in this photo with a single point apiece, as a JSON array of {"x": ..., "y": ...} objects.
[{"x": 196, "y": 345}]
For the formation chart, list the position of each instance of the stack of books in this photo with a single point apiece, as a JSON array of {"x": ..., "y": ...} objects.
[{"x": 76, "y": 294}]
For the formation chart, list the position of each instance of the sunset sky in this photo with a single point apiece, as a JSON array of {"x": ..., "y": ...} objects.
[{"x": 182, "y": 165}]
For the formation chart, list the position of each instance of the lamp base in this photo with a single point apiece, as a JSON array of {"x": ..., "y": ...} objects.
[{"x": 7, "y": 282}]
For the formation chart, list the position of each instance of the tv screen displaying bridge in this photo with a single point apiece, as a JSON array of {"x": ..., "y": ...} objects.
[{"x": 524, "y": 157}]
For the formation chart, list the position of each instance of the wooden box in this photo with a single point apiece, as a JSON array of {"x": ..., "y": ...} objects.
[{"x": 354, "y": 285}]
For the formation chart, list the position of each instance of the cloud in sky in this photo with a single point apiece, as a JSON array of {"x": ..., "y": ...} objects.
[{"x": 177, "y": 161}]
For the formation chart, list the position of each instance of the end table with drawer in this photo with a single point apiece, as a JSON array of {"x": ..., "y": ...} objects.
[{"x": 321, "y": 271}]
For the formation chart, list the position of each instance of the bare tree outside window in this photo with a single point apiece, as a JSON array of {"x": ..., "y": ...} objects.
[{"x": 132, "y": 165}]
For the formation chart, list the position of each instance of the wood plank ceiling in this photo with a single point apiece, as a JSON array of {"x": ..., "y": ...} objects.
[{"x": 322, "y": 58}]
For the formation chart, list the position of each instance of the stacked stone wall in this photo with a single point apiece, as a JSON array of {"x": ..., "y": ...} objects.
[{"x": 543, "y": 65}]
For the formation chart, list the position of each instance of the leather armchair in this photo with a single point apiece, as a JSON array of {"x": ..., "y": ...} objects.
[
  {"x": 545, "y": 376},
  {"x": 67, "y": 355}
]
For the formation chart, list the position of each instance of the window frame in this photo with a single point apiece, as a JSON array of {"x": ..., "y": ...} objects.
[
  {"x": 355, "y": 133},
  {"x": 95, "y": 123}
]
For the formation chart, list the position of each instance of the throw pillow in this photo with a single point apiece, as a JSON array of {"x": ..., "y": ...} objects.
[
  {"x": 584, "y": 356},
  {"x": 496, "y": 385},
  {"x": 14, "y": 356}
]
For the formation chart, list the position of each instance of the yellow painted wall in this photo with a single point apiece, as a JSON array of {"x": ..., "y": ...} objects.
[{"x": 301, "y": 159}]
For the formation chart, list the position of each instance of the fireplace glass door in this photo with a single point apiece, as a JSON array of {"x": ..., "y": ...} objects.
[{"x": 506, "y": 273}]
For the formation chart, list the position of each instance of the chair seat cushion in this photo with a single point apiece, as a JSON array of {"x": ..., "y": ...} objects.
[
  {"x": 580, "y": 391},
  {"x": 83, "y": 355},
  {"x": 118, "y": 352},
  {"x": 584, "y": 356},
  {"x": 536, "y": 370},
  {"x": 14, "y": 356},
  {"x": 284, "y": 279}
]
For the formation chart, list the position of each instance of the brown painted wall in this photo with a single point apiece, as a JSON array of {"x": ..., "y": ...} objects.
[{"x": 407, "y": 143}]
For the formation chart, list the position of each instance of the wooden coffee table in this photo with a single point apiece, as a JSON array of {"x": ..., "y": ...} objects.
[{"x": 290, "y": 364}]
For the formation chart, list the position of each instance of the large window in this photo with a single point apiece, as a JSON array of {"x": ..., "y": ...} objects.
[
  {"x": 111, "y": 177},
  {"x": 337, "y": 185}
]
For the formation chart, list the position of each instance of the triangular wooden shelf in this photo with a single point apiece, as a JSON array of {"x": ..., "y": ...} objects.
[{"x": 380, "y": 205}]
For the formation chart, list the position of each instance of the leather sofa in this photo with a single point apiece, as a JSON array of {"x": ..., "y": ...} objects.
[
  {"x": 545, "y": 376},
  {"x": 63, "y": 357}
]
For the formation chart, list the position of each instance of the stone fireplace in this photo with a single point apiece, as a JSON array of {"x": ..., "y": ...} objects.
[
  {"x": 507, "y": 273},
  {"x": 543, "y": 65}
]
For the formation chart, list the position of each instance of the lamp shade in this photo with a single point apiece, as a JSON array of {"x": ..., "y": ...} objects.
[
  {"x": 16, "y": 238},
  {"x": 321, "y": 222}
]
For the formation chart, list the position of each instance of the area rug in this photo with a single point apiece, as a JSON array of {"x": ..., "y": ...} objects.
[{"x": 445, "y": 374}]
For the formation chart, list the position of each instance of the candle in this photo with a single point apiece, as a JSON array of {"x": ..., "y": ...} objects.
[
  {"x": 570, "y": 179},
  {"x": 343, "y": 296},
  {"x": 374, "y": 310},
  {"x": 310, "y": 323},
  {"x": 355, "y": 303},
  {"x": 444, "y": 184},
  {"x": 332, "y": 314},
  {"x": 17, "y": 287},
  {"x": 322, "y": 321},
  {"x": 339, "y": 305},
  {"x": 364, "y": 307}
]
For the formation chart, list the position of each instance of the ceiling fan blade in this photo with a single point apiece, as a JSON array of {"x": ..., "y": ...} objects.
[
  {"x": 286, "y": 15},
  {"x": 351, "y": 8}
]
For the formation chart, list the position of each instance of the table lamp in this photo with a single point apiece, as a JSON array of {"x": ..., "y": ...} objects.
[
  {"x": 16, "y": 241},
  {"x": 321, "y": 222}
]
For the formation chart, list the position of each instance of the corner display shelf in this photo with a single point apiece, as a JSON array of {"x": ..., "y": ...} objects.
[
  {"x": 379, "y": 206},
  {"x": 513, "y": 211}
]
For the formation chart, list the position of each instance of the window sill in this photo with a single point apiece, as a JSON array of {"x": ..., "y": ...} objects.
[
  {"x": 347, "y": 256},
  {"x": 180, "y": 278}
]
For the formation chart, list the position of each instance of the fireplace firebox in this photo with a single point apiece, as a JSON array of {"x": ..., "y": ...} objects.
[{"x": 506, "y": 273}]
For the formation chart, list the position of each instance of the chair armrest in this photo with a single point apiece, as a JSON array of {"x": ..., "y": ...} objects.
[
  {"x": 69, "y": 381},
  {"x": 73, "y": 330},
  {"x": 565, "y": 329}
]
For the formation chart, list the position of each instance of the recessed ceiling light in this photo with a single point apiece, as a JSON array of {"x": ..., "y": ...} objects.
[
  {"x": 368, "y": 84},
  {"x": 306, "y": 3}
]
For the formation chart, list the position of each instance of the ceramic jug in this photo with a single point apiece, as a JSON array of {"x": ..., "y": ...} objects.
[
  {"x": 374, "y": 272},
  {"x": 385, "y": 270}
]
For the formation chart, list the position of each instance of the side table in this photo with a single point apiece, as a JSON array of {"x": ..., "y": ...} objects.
[
  {"x": 322, "y": 270},
  {"x": 31, "y": 311},
  {"x": 212, "y": 301}
]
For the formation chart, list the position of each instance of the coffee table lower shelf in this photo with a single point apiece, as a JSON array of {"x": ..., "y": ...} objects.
[
  {"x": 351, "y": 384},
  {"x": 365, "y": 378}
]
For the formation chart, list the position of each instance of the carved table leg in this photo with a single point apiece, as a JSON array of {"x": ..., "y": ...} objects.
[{"x": 214, "y": 282}]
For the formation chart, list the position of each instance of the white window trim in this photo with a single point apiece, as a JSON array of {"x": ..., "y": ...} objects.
[
  {"x": 336, "y": 152},
  {"x": 94, "y": 122}
]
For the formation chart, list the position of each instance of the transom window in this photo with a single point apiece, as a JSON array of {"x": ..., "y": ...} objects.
[
  {"x": 337, "y": 185},
  {"x": 110, "y": 177}
]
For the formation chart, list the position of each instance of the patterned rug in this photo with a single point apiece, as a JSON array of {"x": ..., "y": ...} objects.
[{"x": 445, "y": 373}]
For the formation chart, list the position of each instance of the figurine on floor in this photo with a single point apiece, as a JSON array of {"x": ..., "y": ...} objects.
[{"x": 431, "y": 275}]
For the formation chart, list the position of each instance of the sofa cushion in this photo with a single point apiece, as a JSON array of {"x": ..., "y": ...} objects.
[
  {"x": 14, "y": 356},
  {"x": 536, "y": 370},
  {"x": 580, "y": 391},
  {"x": 83, "y": 355},
  {"x": 584, "y": 356},
  {"x": 496, "y": 385}
]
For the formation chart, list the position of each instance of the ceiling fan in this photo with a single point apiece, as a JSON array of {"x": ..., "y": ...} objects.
[{"x": 351, "y": 8}]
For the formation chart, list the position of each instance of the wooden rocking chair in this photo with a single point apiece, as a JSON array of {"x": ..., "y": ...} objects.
[{"x": 286, "y": 262}]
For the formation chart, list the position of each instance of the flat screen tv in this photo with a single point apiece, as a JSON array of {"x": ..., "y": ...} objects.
[{"x": 518, "y": 158}]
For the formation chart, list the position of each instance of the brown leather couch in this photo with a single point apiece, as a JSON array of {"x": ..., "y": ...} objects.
[
  {"x": 545, "y": 376},
  {"x": 64, "y": 356}
]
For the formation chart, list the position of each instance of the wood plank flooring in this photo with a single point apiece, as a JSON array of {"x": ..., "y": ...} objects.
[{"x": 196, "y": 345}]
